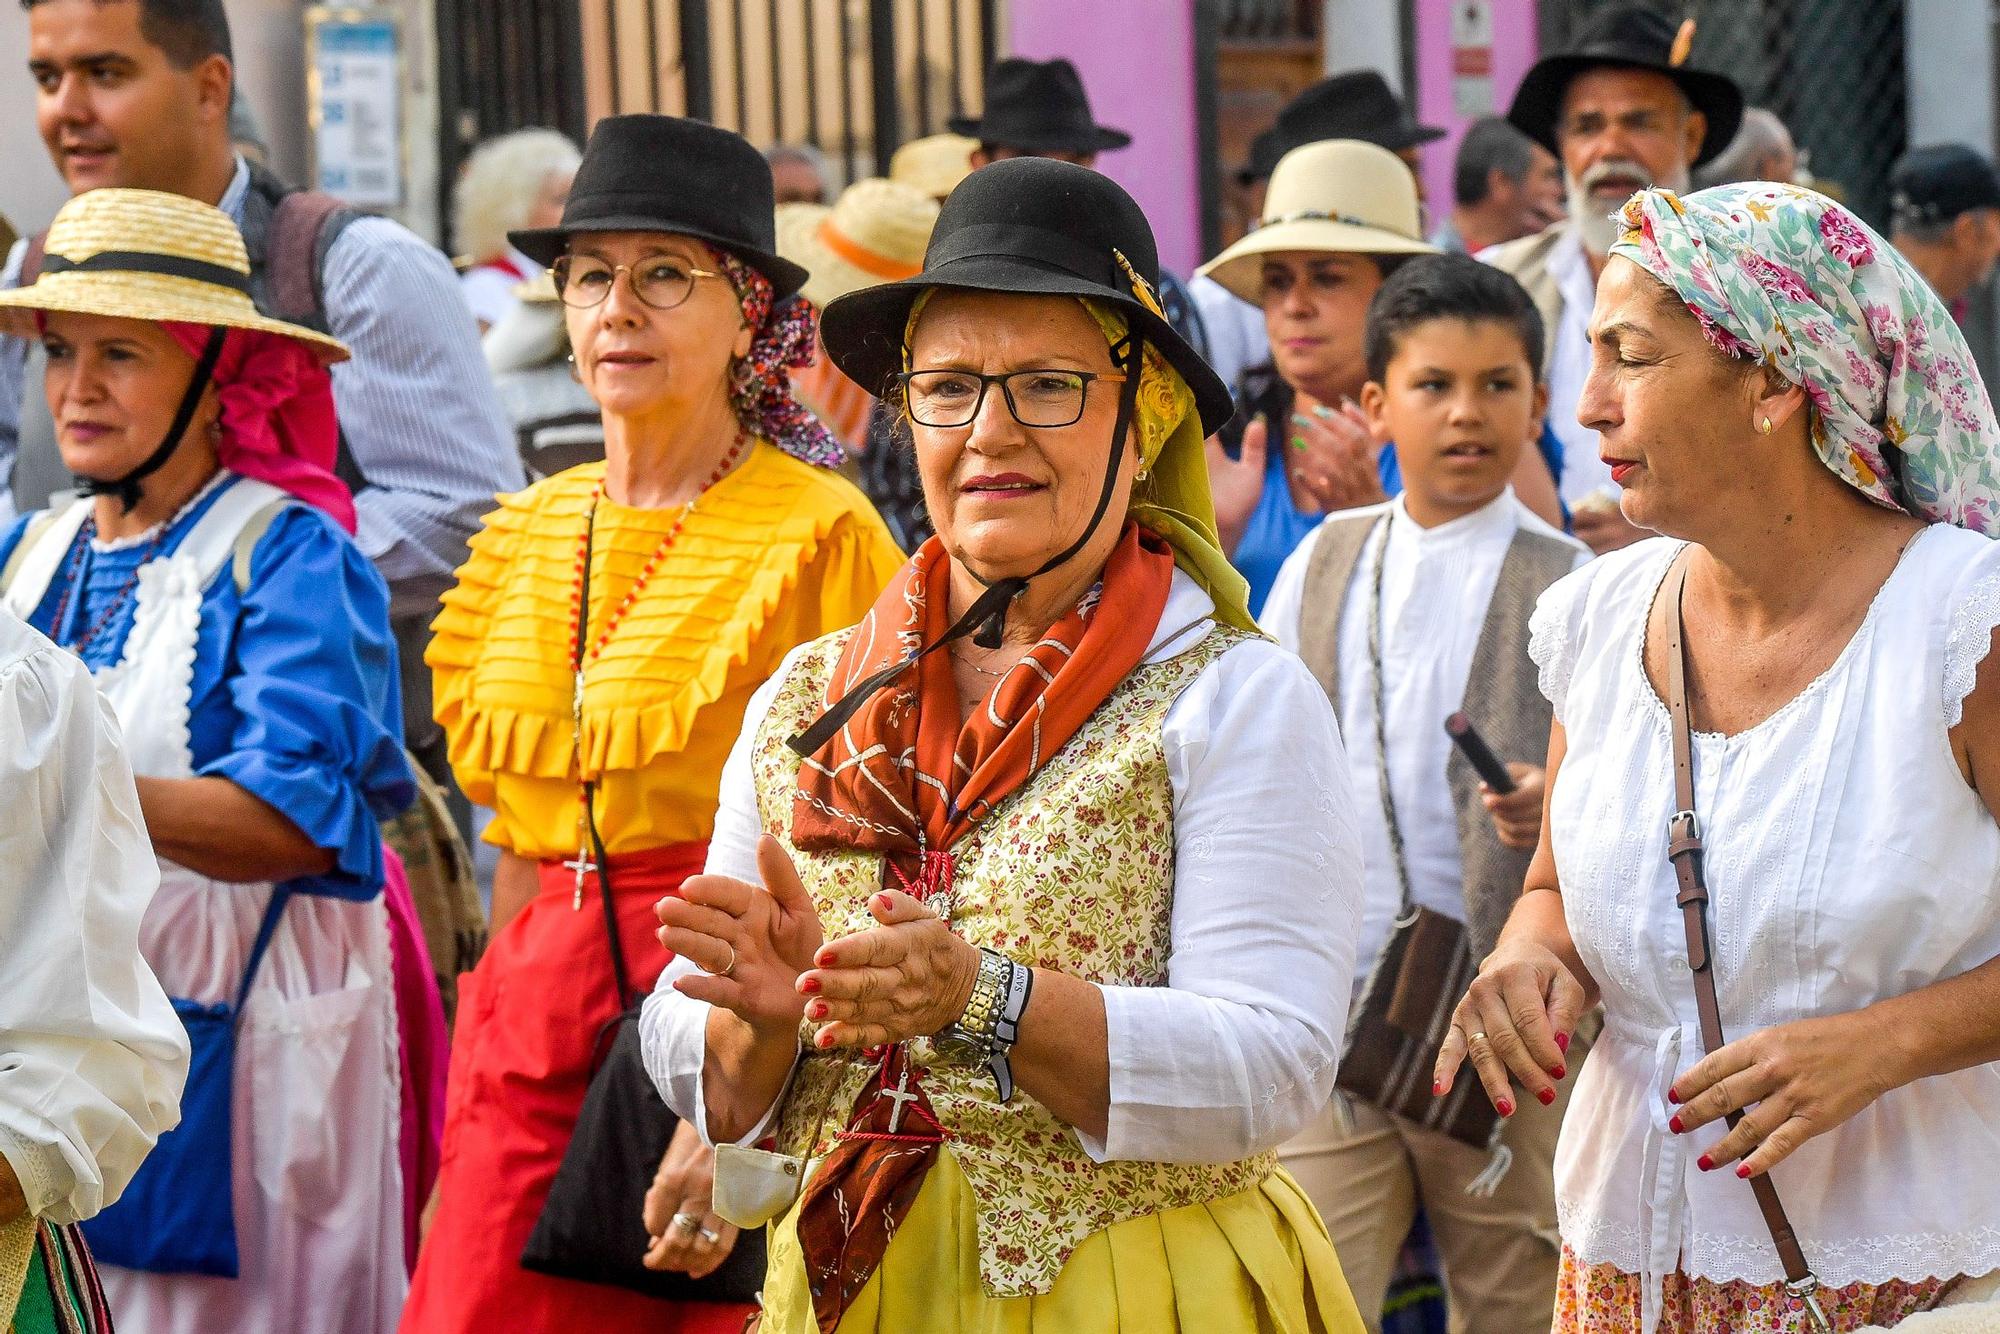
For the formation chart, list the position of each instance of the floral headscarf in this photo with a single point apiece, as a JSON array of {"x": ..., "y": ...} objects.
[
  {"x": 760, "y": 388},
  {"x": 1787, "y": 277}
]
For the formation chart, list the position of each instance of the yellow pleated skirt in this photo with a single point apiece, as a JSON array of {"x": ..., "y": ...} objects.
[{"x": 1257, "y": 1262}]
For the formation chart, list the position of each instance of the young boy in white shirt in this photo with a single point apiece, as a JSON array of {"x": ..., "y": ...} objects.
[{"x": 1408, "y": 613}]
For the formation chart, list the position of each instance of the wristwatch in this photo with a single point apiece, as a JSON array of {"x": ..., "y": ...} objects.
[{"x": 985, "y": 1034}]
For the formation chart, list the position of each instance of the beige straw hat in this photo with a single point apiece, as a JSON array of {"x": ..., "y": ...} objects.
[
  {"x": 145, "y": 255},
  {"x": 875, "y": 233},
  {"x": 1337, "y": 195},
  {"x": 935, "y": 164}
]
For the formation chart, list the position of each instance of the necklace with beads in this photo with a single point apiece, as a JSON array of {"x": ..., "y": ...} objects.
[{"x": 583, "y": 653}]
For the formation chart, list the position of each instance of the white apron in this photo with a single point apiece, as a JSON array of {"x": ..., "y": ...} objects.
[{"x": 315, "y": 1116}]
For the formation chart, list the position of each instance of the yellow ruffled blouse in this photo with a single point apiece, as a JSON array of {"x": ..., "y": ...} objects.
[{"x": 777, "y": 553}]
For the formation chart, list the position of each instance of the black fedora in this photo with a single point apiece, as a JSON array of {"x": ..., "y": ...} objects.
[
  {"x": 1628, "y": 37},
  {"x": 668, "y": 174},
  {"x": 1038, "y": 106},
  {"x": 1036, "y": 226},
  {"x": 1357, "y": 104}
]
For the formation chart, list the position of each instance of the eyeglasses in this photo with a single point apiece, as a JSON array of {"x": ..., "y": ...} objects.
[
  {"x": 1040, "y": 398},
  {"x": 661, "y": 282}
]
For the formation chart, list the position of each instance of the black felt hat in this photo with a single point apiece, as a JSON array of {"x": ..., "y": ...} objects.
[
  {"x": 1036, "y": 226},
  {"x": 1627, "y": 37},
  {"x": 1358, "y": 104},
  {"x": 668, "y": 174},
  {"x": 1938, "y": 182},
  {"x": 1039, "y": 106}
]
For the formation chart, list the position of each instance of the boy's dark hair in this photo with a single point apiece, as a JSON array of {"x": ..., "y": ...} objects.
[
  {"x": 188, "y": 31},
  {"x": 1448, "y": 287}
]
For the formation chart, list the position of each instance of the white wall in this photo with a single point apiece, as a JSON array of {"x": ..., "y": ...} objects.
[
  {"x": 30, "y": 190},
  {"x": 1364, "y": 34},
  {"x": 1948, "y": 52}
]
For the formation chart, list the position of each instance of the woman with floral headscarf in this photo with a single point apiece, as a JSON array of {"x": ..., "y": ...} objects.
[
  {"x": 593, "y": 664},
  {"x": 1781, "y": 395}
]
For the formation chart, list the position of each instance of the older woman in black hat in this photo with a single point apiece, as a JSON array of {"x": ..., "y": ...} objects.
[
  {"x": 1028, "y": 924},
  {"x": 593, "y": 664}
]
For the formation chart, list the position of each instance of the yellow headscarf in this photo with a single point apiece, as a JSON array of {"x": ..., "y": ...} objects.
[{"x": 1171, "y": 497}]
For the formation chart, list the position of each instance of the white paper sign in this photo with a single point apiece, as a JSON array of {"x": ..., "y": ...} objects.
[
  {"x": 358, "y": 127},
  {"x": 1472, "y": 57}
]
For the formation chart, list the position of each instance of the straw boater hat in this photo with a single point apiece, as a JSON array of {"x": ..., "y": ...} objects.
[
  {"x": 874, "y": 233},
  {"x": 146, "y": 255},
  {"x": 934, "y": 164},
  {"x": 1341, "y": 196}
]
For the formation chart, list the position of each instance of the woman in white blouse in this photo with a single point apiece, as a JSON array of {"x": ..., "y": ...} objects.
[
  {"x": 1065, "y": 889},
  {"x": 93, "y": 1058},
  {"x": 1830, "y": 506}
]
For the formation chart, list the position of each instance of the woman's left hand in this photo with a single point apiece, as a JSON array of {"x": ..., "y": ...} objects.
[
  {"x": 906, "y": 977},
  {"x": 1797, "y": 1080},
  {"x": 1333, "y": 455},
  {"x": 687, "y": 1235}
]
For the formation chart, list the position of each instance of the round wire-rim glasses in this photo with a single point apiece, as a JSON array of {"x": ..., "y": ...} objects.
[
  {"x": 660, "y": 281},
  {"x": 1043, "y": 398}
]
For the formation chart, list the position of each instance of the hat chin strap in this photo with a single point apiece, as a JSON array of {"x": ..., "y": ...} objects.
[
  {"x": 986, "y": 619},
  {"x": 127, "y": 488}
]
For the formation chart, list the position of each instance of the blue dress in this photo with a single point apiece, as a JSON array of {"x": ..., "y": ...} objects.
[{"x": 295, "y": 696}]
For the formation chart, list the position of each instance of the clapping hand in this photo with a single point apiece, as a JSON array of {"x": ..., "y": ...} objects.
[
  {"x": 1333, "y": 456},
  {"x": 907, "y": 976},
  {"x": 751, "y": 941}
]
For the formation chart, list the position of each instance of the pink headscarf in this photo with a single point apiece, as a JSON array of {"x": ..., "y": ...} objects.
[{"x": 277, "y": 414}]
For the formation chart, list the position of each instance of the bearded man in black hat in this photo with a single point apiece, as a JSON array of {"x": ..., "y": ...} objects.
[
  {"x": 1354, "y": 104},
  {"x": 1624, "y": 111}
]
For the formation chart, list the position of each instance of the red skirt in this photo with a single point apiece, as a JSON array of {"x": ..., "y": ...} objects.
[{"x": 520, "y": 1065}]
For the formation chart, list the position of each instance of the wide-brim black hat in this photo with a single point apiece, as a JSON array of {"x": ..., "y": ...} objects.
[
  {"x": 1357, "y": 104},
  {"x": 1627, "y": 37},
  {"x": 1039, "y": 106},
  {"x": 669, "y": 174},
  {"x": 1036, "y": 226}
]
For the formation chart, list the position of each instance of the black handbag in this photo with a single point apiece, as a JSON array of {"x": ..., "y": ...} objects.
[{"x": 591, "y": 1226}]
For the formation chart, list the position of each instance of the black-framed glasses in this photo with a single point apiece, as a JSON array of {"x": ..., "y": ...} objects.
[
  {"x": 1041, "y": 398},
  {"x": 662, "y": 282}
]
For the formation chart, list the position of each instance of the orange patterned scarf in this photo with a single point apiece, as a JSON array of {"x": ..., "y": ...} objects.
[{"x": 907, "y": 779}]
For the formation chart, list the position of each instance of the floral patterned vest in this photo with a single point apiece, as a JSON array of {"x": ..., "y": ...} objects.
[{"x": 1073, "y": 872}]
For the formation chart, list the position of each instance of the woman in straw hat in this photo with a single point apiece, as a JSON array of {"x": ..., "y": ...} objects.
[
  {"x": 1340, "y": 216},
  {"x": 1773, "y": 838},
  {"x": 206, "y": 576},
  {"x": 593, "y": 664},
  {"x": 1027, "y": 926}
]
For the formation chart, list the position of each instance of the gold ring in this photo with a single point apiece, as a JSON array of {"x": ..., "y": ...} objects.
[
  {"x": 1471, "y": 1038},
  {"x": 730, "y": 969}
]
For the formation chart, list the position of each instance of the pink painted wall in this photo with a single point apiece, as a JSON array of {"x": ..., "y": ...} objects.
[
  {"x": 1516, "y": 43},
  {"x": 1137, "y": 62}
]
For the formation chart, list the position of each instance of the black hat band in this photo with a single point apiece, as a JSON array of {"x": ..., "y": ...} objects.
[
  {"x": 142, "y": 261},
  {"x": 1013, "y": 240}
]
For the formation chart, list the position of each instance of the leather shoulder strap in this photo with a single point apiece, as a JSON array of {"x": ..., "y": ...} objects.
[
  {"x": 1336, "y": 551},
  {"x": 1684, "y": 850},
  {"x": 32, "y": 565}
]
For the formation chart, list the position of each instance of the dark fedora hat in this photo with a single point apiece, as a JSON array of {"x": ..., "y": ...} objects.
[
  {"x": 1038, "y": 106},
  {"x": 668, "y": 174},
  {"x": 1035, "y": 226},
  {"x": 1357, "y": 104},
  {"x": 1628, "y": 37}
]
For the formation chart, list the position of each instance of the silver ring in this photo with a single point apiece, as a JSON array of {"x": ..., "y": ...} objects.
[
  {"x": 710, "y": 1237},
  {"x": 688, "y": 1222}
]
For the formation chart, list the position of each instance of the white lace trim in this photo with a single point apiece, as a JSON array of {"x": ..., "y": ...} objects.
[
  {"x": 1549, "y": 646},
  {"x": 1966, "y": 647},
  {"x": 1598, "y": 1240}
]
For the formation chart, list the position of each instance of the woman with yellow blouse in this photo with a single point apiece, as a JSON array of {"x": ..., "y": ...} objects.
[{"x": 703, "y": 548}]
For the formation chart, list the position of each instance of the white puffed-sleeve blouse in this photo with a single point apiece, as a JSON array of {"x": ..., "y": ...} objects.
[
  {"x": 1238, "y": 1051},
  {"x": 92, "y": 1057},
  {"x": 1848, "y": 862}
]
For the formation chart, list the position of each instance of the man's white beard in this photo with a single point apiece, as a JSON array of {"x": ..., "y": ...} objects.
[{"x": 1600, "y": 228}]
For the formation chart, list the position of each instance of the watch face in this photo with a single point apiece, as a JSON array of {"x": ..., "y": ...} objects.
[{"x": 958, "y": 1049}]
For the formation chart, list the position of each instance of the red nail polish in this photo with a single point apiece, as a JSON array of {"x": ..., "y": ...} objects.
[
  {"x": 880, "y": 903},
  {"x": 1676, "y": 1126},
  {"x": 1673, "y": 1096},
  {"x": 823, "y": 1040},
  {"x": 809, "y": 985},
  {"x": 1547, "y": 1097},
  {"x": 1744, "y": 1171},
  {"x": 1437, "y": 1088},
  {"x": 1562, "y": 1043},
  {"x": 816, "y": 1010},
  {"x": 1558, "y": 1071},
  {"x": 1505, "y": 1107},
  {"x": 1705, "y": 1163},
  {"x": 825, "y": 959}
]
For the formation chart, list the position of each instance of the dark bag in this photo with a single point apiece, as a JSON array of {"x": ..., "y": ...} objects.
[
  {"x": 1398, "y": 1025},
  {"x": 178, "y": 1215},
  {"x": 590, "y": 1226}
]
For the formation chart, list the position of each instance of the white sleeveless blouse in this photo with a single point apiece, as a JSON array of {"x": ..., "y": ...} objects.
[{"x": 1848, "y": 862}]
